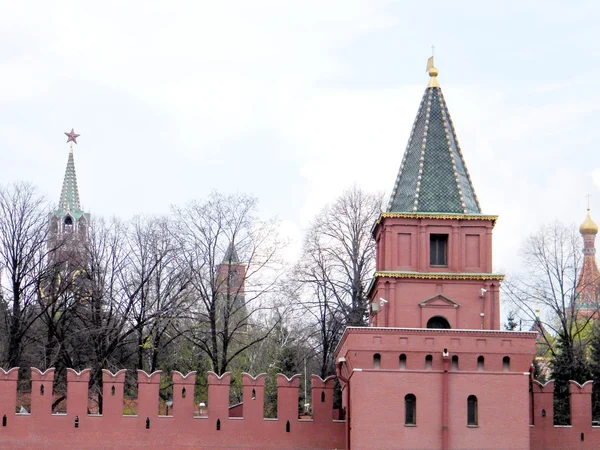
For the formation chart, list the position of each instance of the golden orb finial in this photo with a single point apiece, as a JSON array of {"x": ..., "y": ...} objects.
[
  {"x": 588, "y": 226},
  {"x": 433, "y": 73}
]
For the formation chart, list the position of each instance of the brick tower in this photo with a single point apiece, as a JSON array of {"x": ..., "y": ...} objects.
[
  {"x": 433, "y": 370},
  {"x": 231, "y": 288},
  {"x": 68, "y": 233},
  {"x": 588, "y": 285}
]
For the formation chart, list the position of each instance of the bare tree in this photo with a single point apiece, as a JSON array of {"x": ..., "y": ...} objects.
[
  {"x": 23, "y": 231},
  {"x": 163, "y": 298},
  {"x": 235, "y": 265},
  {"x": 553, "y": 261},
  {"x": 322, "y": 309},
  {"x": 342, "y": 251}
]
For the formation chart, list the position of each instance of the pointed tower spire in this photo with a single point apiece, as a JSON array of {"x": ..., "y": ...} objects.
[
  {"x": 231, "y": 256},
  {"x": 433, "y": 176},
  {"x": 69, "y": 195},
  {"x": 68, "y": 224}
]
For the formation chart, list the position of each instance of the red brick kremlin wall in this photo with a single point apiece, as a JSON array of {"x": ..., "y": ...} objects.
[{"x": 77, "y": 429}]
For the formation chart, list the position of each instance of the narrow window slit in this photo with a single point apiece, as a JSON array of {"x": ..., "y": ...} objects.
[
  {"x": 287, "y": 427},
  {"x": 472, "y": 419},
  {"x": 253, "y": 394},
  {"x": 42, "y": 389},
  {"x": 322, "y": 396},
  {"x": 183, "y": 393},
  {"x": 76, "y": 421},
  {"x": 218, "y": 424},
  {"x": 147, "y": 423},
  {"x": 410, "y": 409},
  {"x": 112, "y": 391}
]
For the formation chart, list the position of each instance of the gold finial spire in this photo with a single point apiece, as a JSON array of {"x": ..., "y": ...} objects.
[
  {"x": 433, "y": 73},
  {"x": 537, "y": 312}
]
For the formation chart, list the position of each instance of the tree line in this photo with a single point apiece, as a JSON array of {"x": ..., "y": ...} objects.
[
  {"x": 207, "y": 287},
  {"x": 550, "y": 296}
]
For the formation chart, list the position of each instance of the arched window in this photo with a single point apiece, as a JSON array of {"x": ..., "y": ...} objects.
[
  {"x": 438, "y": 322},
  {"x": 402, "y": 361},
  {"x": 455, "y": 362},
  {"x": 480, "y": 362},
  {"x": 410, "y": 409},
  {"x": 376, "y": 361},
  {"x": 472, "y": 411},
  {"x": 68, "y": 224},
  {"x": 506, "y": 364},
  {"x": 428, "y": 362}
]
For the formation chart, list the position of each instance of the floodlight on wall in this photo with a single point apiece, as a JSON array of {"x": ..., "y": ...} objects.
[{"x": 341, "y": 360}]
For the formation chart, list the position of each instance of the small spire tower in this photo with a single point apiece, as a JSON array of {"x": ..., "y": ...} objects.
[
  {"x": 588, "y": 285},
  {"x": 69, "y": 223}
]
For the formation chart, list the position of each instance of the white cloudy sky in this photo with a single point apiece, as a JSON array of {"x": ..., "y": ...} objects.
[{"x": 292, "y": 101}]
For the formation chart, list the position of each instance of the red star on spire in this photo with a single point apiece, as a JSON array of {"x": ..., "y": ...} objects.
[{"x": 72, "y": 137}]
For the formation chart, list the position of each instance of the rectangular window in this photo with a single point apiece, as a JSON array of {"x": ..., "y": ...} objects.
[{"x": 438, "y": 250}]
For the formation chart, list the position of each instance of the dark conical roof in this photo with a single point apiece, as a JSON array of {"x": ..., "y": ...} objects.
[
  {"x": 433, "y": 177},
  {"x": 231, "y": 256}
]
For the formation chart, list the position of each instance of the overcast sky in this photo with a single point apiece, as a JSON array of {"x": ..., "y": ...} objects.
[{"x": 293, "y": 101}]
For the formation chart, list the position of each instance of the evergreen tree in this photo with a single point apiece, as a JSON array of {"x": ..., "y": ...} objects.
[
  {"x": 595, "y": 369},
  {"x": 569, "y": 363}
]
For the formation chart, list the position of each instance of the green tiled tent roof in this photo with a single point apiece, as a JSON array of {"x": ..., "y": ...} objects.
[
  {"x": 69, "y": 195},
  {"x": 433, "y": 177}
]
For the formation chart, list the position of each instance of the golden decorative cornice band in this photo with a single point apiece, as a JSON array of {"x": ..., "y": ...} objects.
[
  {"x": 441, "y": 276},
  {"x": 439, "y": 216}
]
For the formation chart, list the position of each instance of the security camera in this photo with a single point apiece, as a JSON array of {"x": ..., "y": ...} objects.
[
  {"x": 483, "y": 291},
  {"x": 382, "y": 301}
]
